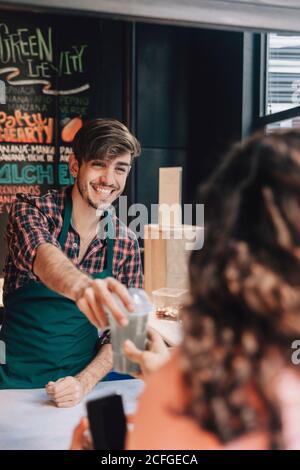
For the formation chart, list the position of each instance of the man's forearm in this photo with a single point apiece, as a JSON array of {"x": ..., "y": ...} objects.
[
  {"x": 58, "y": 273},
  {"x": 97, "y": 369}
]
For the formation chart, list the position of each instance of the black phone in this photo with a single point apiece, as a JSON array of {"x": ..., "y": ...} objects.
[{"x": 107, "y": 422}]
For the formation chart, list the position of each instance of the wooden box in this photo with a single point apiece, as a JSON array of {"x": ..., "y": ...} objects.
[{"x": 167, "y": 251}]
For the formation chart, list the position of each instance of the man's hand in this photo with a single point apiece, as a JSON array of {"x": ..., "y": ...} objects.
[
  {"x": 65, "y": 392},
  {"x": 97, "y": 298},
  {"x": 69, "y": 391},
  {"x": 153, "y": 358}
]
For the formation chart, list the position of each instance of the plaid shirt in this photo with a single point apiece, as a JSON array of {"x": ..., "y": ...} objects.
[{"x": 36, "y": 220}]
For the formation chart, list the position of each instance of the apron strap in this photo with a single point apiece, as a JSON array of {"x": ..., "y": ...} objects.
[
  {"x": 66, "y": 219},
  {"x": 110, "y": 242}
]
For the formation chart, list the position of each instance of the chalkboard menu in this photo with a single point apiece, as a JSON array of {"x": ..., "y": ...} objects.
[{"x": 49, "y": 75}]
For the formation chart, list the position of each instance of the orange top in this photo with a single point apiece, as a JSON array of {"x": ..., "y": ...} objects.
[{"x": 158, "y": 425}]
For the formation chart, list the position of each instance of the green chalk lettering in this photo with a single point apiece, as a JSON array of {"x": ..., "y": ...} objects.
[
  {"x": 45, "y": 45},
  {"x": 64, "y": 176},
  {"x": 29, "y": 174}
]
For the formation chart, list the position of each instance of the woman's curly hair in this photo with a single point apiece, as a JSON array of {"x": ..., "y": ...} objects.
[{"x": 245, "y": 288}]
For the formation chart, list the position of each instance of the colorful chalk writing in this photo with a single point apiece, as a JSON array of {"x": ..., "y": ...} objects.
[
  {"x": 64, "y": 176},
  {"x": 29, "y": 174},
  {"x": 34, "y": 48},
  {"x": 25, "y": 127},
  {"x": 46, "y": 70}
]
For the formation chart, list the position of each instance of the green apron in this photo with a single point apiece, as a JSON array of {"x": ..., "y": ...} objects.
[{"x": 46, "y": 336}]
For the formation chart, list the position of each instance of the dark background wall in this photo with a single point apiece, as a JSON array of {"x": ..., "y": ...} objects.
[{"x": 190, "y": 102}]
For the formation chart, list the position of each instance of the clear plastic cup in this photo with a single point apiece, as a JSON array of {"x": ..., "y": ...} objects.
[{"x": 136, "y": 330}]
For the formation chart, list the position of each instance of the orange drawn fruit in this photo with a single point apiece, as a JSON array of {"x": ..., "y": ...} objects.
[{"x": 70, "y": 129}]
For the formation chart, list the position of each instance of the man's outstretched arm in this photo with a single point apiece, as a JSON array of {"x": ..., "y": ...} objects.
[{"x": 92, "y": 297}]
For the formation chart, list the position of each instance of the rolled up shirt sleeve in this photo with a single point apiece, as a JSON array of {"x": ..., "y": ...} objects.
[{"x": 27, "y": 229}]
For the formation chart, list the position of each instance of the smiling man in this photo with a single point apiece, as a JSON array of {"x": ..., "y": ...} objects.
[{"x": 60, "y": 273}]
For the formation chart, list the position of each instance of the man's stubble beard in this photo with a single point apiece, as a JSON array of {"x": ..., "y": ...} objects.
[{"x": 85, "y": 198}]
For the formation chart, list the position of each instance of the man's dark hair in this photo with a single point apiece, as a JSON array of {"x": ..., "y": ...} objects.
[{"x": 102, "y": 139}]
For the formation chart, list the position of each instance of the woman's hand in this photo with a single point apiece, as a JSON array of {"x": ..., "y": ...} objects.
[
  {"x": 81, "y": 439},
  {"x": 66, "y": 392},
  {"x": 153, "y": 358}
]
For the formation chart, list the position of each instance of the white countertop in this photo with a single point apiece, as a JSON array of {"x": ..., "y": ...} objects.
[{"x": 28, "y": 420}]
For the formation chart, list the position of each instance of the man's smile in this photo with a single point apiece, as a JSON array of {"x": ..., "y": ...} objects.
[{"x": 102, "y": 190}]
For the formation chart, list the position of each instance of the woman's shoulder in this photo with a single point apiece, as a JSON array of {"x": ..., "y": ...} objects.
[
  {"x": 167, "y": 384},
  {"x": 287, "y": 385},
  {"x": 169, "y": 371},
  {"x": 160, "y": 421}
]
